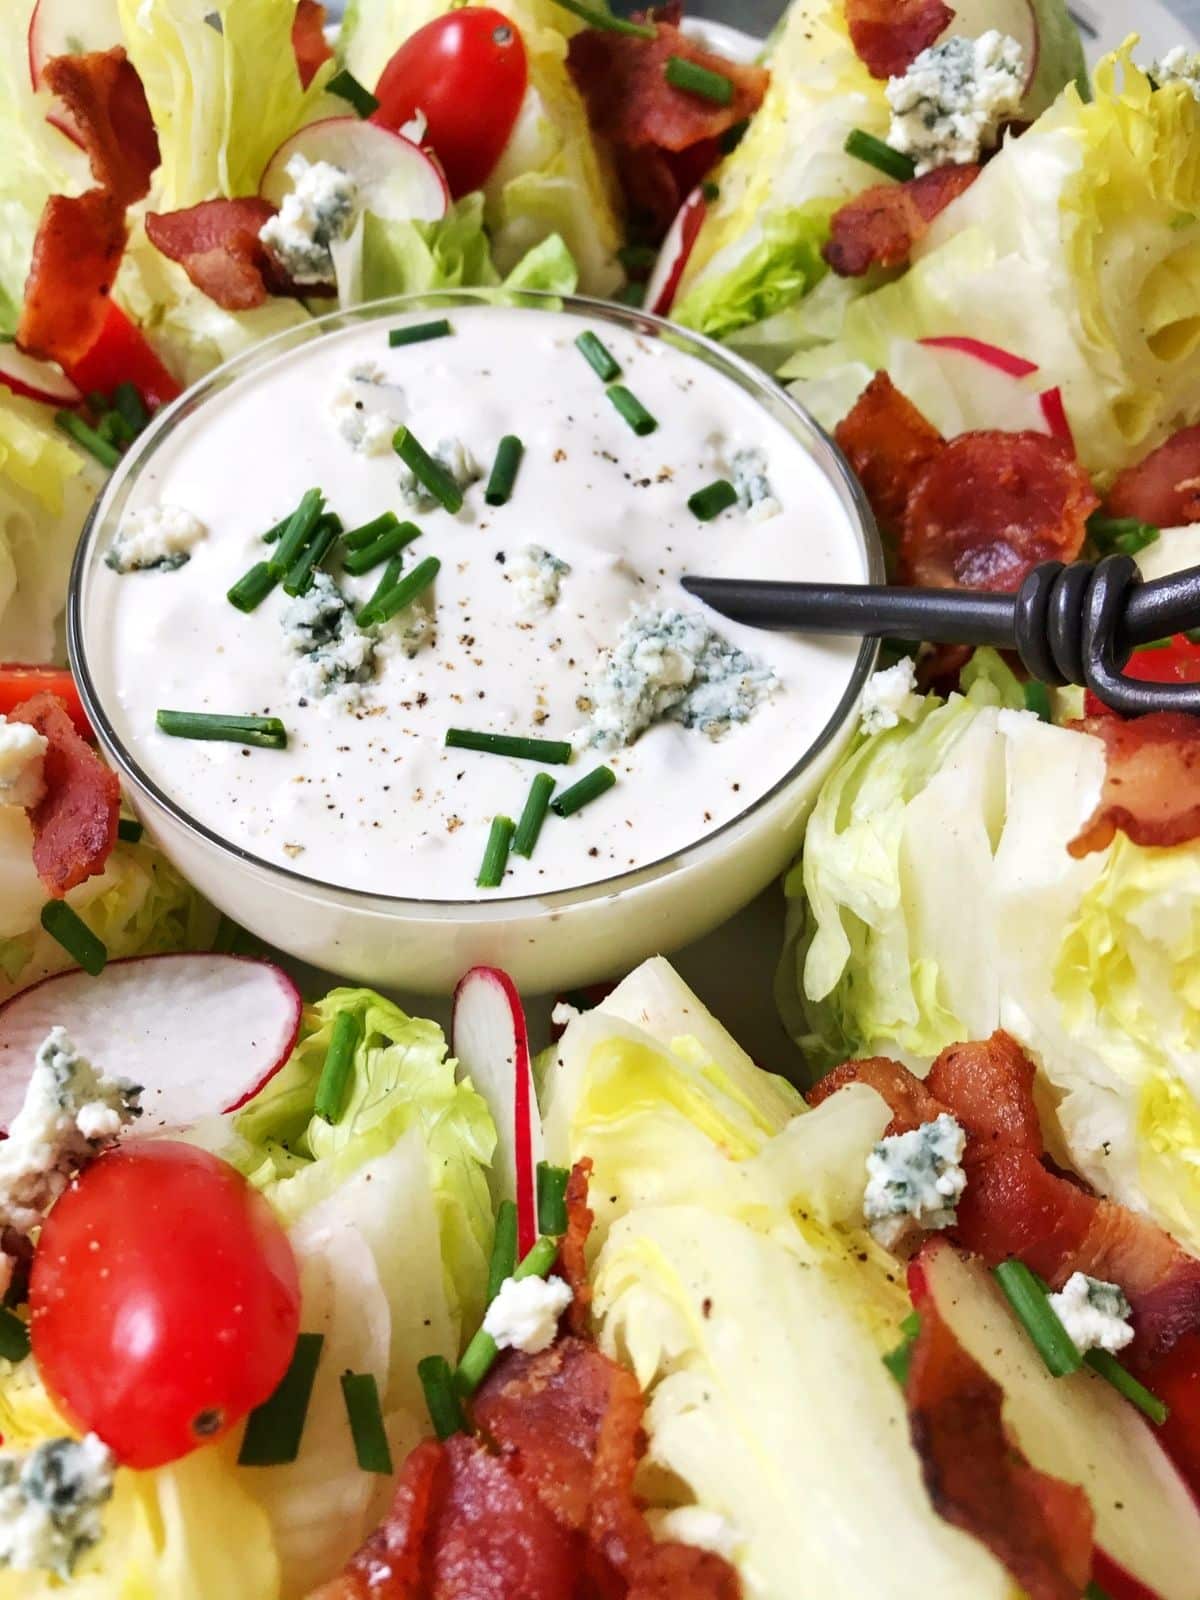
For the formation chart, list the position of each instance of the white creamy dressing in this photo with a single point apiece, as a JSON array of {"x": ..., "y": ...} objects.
[{"x": 366, "y": 796}]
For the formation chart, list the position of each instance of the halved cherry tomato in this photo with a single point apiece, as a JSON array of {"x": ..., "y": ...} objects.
[
  {"x": 1177, "y": 662},
  {"x": 19, "y": 683},
  {"x": 466, "y": 73},
  {"x": 165, "y": 1301},
  {"x": 122, "y": 354}
]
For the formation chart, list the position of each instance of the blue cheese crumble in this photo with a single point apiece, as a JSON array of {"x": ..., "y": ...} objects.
[
  {"x": 525, "y": 1313},
  {"x": 317, "y": 213},
  {"x": 755, "y": 494},
  {"x": 536, "y": 576},
  {"x": 22, "y": 753},
  {"x": 891, "y": 697},
  {"x": 367, "y": 409},
  {"x": 453, "y": 455},
  {"x": 671, "y": 665},
  {"x": 949, "y": 106},
  {"x": 337, "y": 657},
  {"x": 1094, "y": 1313},
  {"x": 915, "y": 1180},
  {"x": 156, "y": 538},
  {"x": 50, "y": 1502},
  {"x": 1180, "y": 65}
]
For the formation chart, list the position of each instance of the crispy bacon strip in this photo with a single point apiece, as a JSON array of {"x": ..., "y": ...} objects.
[
  {"x": 881, "y": 226},
  {"x": 889, "y": 444},
  {"x": 910, "y": 1101},
  {"x": 1164, "y": 489},
  {"x": 309, "y": 44},
  {"x": 990, "y": 1087},
  {"x": 217, "y": 244},
  {"x": 391, "y": 1565},
  {"x": 890, "y": 34},
  {"x": 107, "y": 109},
  {"x": 572, "y": 1252},
  {"x": 75, "y": 822},
  {"x": 76, "y": 254},
  {"x": 1151, "y": 783},
  {"x": 1038, "y": 1526}
]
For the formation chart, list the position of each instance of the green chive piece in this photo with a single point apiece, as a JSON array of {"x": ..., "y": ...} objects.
[
  {"x": 1037, "y": 700},
  {"x": 899, "y": 1360},
  {"x": 265, "y": 733},
  {"x": 67, "y": 928},
  {"x": 391, "y": 577},
  {"x": 325, "y": 536},
  {"x": 637, "y": 259},
  {"x": 495, "y": 856},
  {"x": 445, "y": 1413},
  {"x": 695, "y": 79},
  {"x": 554, "y": 752},
  {"x": 710, "y": 502},
  {"x": 277, "y": 532},
  {"x": 529, "y": 828},
  {"x": 389, "y": 544},
  {"x": 504, "y": 471},
  {"x": 632, "y": 294},
  {"x": 274, "y": 1429},
  {"x": 87, "y": 438},
  {"x": 249, "y": 592},
  {"x": 598, "y": 356},
  {"x": 365, "y": 1416},
  {"x": 347, "y": 87},
  {"x": 538, "y": 1262},
  {"x": 298, "y": 532},
  {"x": 504, "y": 1248},
  {"x": 130, "y": 830},
  {"x": 420, "y": 333},
  {"x": 344, "y": 1039},
  {"x": 552, "y": 1199},
  {"x": 893, "y": 163},
  {"x": 480, "y": 1355},
  {"x": 1111, "y": 1370},
  {"x": 431, "y": 474},
  {"x": 584, "y": 792},
  {"x": 1120, "y": 535},
  {"x": 1039, "y": 1319},
  {"x": 359, "y": 538},
  {"x": 1095, "y": 1592},
  {"x": 382, "y": 607},
  {"x": 128, "y": 401},
  {"x": 14, "y": 1336},
  {"x": 632, "y": 409},
  {"x": 732, "y": 137},
  {"x": 597, "y": 17}
]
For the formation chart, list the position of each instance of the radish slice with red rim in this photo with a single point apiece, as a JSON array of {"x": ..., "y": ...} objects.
[
  {"x": 675, "y": 254},
  {"x": 201, "y": 1033},
  {"x": 70, "y": 28},
  {"x": 395, "y": 178},
  {"x": 35, "y": 380}
]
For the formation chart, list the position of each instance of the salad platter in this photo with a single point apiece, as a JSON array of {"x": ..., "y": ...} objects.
[{"x": 599, "y": 802}]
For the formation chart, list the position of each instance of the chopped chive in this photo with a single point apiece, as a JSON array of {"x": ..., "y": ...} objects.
[
  {"x": 325, "y": 536},
  {"x": 1120, "y": 535},
  {"x": 391, "y": 577},
  {"x": 598, "y": 17},
  {"x": 584, "y": 792},
  {"x": 899, "y": 1360},
  {"x": 480, "y": 1355},
  {"x": 420, "y": 333},
  {"x": 344, "y": 1039},
  {"x": 632, "y": 294},
  {"x": 691, "y": 77},
  {"x": 1111, "y": 1370},
  {"x": 298, "y": 531},
  {"x": 529, "y": 828},
  {"x": 130, "y": 829},
  {"x": 554, "y": 752},
  {"x": 711, "y": 191},
  {"x": 266, "y": 733},
  {"x": 389, "y": 544},
  {"x": 632, "y": 409},
  {"x": 636, "y": 259},
  {"x": 1037, "y": 1316},
  {"x": 1095, "y": 1592},
  {"x": 359, "y": 538},
  {"x": 504, "y": 471},
  {"x": 365, "y": 1416},
  {"x": 128, "y": 401},
  {"x": 67, "y": 928},
  {"x": 504, "y": 1248},
  {"x": 347, "y": 87},
  {"x": 732, "y": 137},
  {"x": 113, "y": 429},
  {"x": 91, "y": 441},
  {"x": 598, "y": 356},
  {"x": 445, "y": 1413},
  {"x": 431, "y": 474},
  {"x": 1037, "y": 700},
  {"x": 552, "y": 1199},
  {"x": 538, "y": 1262},
  {"x": 14, "y": 1336},
  {"x": 253, "y": 587},
  {"x": 893, "y": 163},
  {"x": 382, "y": 607},
  {"x": 277, "y": 532},
  {"x": 710, "y": 502},
  {"x": 274, "y": 1429},
  {"x": 495, "y": 856}
]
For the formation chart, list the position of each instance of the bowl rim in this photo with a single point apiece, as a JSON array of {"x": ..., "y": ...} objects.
[{"x": 500, "y": 908}]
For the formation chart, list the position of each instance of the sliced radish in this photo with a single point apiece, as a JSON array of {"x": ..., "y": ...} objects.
[
  {"x": 70, "y": 28},
  {"x": 35, "y": 380},
  {"x": 990, "y": 355},
  {"x": 1016, "y": 18},
  {"x": 491, "y": 1043},
  {"x": 201, "y": 1033},
  {"x": 675, "y": 254},
  {"x": 395, "y": 178},
  {"x": 996, "y": 387}
]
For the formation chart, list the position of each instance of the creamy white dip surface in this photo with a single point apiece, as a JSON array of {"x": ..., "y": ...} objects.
[{"x": 366, "y": 795}]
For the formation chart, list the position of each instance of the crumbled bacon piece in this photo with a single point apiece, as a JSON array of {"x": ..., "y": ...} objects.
[
  {"x": 889, "y": 444},
  {"x": 75, "y": 822},
  {"x": 76, "y": 253},
  {"x": 309, "y": 44},
  {"x": 990, "y": 507},
  {"x": 990, "y": 1086},
  {"x": 217, "y": 244},
  {"x": 1163, "y": 489},
  {"x": 108, "y": 114},
  {"x": 572, "y": 1252},
  {"x": 1151, "y": 782},
  {"x": 881, "y": 226},
  {"x": 1038, "y": 1526},
  {"x": 910, "y": 1102},
  {"x": 890, "y": 34}
]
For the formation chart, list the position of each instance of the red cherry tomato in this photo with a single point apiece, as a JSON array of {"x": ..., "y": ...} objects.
[
  {"x": 164, "y": 1300},
  {"x": 1177, "y": 662},
  {"x": 19, "y": 683},
  {"x": 467, "y": 73},
  {"x": 123, "y": 354}
]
